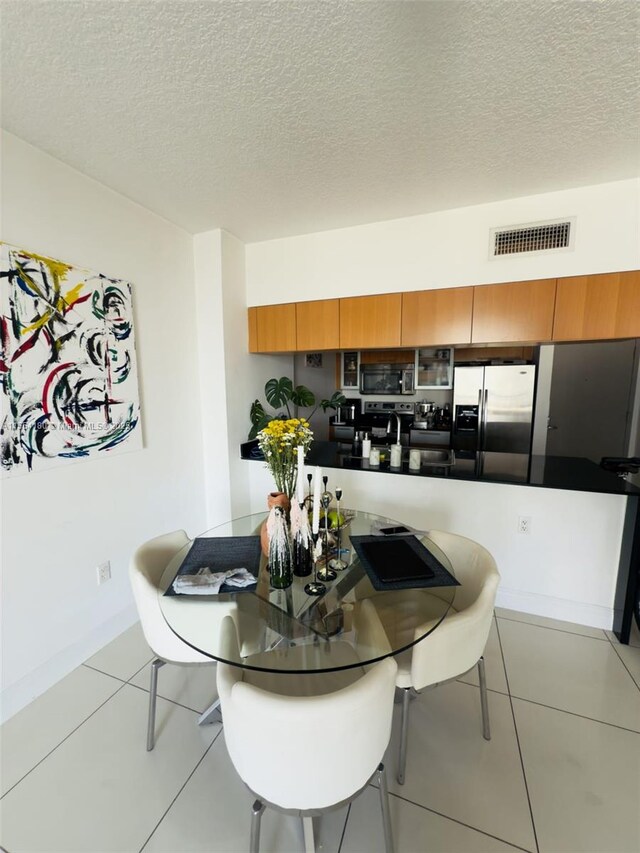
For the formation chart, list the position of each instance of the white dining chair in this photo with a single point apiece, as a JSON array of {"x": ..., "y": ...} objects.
[
  {"x": 457, "y": 643},
  {"x": 145, "y": 572},
  {"x": 307, "y": 751}
]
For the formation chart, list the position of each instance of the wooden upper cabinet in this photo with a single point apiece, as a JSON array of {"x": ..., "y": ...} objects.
[
  {"x": 276, "y": 328},
  {"x": 516, "y": 311},
  {"x": 367, "y": 322},
  {"x": 592, "y": 307},
  {"x": 252, "y": 317},
  {"x": 435, "y": 317},
  {"x": 318, "y": 325}
]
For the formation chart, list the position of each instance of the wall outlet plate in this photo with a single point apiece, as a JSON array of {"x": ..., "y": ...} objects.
[
  {"x": 524, "y": 524},
  {"x": 103, "y": 572}
]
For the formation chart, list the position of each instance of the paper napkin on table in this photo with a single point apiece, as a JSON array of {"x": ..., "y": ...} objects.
[{"x": 206, "y": 582}]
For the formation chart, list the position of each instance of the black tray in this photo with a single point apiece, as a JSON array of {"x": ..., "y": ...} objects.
[
  {"x": 400, "y": 562},
  {"x": 221, "y": 554}
]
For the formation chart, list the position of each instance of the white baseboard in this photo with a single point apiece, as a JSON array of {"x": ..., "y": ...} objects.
[
  {"x": 594, "y": 615},
  {"x": 16, "y": 696}
]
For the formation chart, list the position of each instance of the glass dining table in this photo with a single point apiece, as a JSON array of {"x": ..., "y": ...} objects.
[{"x": 353, "y": 624}]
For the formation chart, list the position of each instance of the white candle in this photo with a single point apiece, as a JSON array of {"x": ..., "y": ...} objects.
[
  {"x": 300, "y": 485},
  {"x": 317, "y": 493}
]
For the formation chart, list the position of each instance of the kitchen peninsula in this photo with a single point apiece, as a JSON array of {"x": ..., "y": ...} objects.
[{"x": 577, "y": 562}]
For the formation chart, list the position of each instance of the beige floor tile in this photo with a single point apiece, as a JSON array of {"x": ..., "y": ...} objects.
[
  {"x": 569, "y": 672},
  {"x": 124, "y": 656},
  {"x": 101, "y": 791},
  {"x": 584, "y": 781},
  {"x": 453, "y": 770},
  {"x": 31, "y": 734},
  {"x": 494, "y": 666},
  {"x": 191, "y": 686},
  {"x": 556, "y": 624},
  {"x": 414, "y": 830},
  {"x": 630, "y": 656},
  {"x": 213, "y": 815}
]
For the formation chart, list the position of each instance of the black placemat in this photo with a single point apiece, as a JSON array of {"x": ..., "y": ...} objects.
[
  {"x": 221, "y": 554},
  {"x": 400, "y": 562}
]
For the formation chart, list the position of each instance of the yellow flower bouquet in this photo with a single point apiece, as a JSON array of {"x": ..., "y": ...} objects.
[{"x": 279, "y": 441}]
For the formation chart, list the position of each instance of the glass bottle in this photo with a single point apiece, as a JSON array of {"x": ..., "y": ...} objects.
[
  {"x": 302, "y": 541},
  {"x": 280, "y": 562}
]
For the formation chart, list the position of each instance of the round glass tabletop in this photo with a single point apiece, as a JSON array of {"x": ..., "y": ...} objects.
[{"x": 360, "y": 619}]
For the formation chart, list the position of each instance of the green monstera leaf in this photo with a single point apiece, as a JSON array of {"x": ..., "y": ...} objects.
[
  {"x": 259, "y": 418},
  {"x": 336, "y": 399},
  {"x": 279, "y": 392},
  {"x": 302, "y": 396}
]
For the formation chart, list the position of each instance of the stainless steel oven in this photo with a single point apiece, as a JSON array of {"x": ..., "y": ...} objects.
[{"x": 387, "y": 378}]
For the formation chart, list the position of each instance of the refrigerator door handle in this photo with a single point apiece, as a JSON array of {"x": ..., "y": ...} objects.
[
  {"x": 483, "y": 399},
  {"x": 479, "y": 435}
]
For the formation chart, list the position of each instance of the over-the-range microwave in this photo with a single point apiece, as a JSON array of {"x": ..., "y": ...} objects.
[{"x": 387, "y": 378}]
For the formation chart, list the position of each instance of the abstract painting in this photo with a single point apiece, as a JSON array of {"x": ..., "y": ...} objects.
[{"x": 68, "y": 375}]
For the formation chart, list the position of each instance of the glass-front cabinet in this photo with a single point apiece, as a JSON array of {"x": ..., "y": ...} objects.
[
  {"x": 434, "y": 367},
  {"x": 350, "y": 370}
]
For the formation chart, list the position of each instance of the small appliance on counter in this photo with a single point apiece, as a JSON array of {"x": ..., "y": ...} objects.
[
  {"x": 347, "y": 413},
  {"x": 342, "y": 424},
  {"x": 431, "y": 425}
]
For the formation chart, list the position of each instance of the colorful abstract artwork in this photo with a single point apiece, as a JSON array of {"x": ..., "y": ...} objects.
[{"x": 68, "y": 376}]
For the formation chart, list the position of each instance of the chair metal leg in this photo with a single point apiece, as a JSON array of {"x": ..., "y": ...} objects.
[
  {"x": 484, "y": 704},
  {"x": 212, "y": 714},
  {"x": 384, "y": 804},
  {"x": 404, "y": 733},
  {"x": 256, "y": 815},
  {"x": 153, "y": 692},
  {"x": 309, "y": 841}
]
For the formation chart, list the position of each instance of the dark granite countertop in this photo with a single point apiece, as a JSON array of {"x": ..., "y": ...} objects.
[{"x": 549, "y": 472}]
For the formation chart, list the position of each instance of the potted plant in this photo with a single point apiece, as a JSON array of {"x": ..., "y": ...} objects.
[{"x": 281, "y": 394}]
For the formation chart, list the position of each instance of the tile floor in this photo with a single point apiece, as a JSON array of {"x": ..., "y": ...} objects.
[{"x": 560, "y": 775}]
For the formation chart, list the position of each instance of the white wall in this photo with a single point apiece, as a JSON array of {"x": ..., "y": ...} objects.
[
  {"x": 59, "y": 524},
  {"x": 230, "y": 378},
  {"x": 565, "y": 568},
  {"x": 448, "y": 249}
]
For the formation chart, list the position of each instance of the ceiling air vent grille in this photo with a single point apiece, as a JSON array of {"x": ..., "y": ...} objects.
[{"x": 538, "y": 237}]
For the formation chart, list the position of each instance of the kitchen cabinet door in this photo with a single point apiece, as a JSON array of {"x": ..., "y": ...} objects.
[
  {"x": 515, "y": 311},
  {"x": 370, "y": 321},
  {"x": 252, "y": 318},
  {"x": 435, "y": 317},
  {"x": 349, "y": 371},
  {"x": 434, "y": 368},
  {"x": 597, "y": 307},
  {"x": 318, "y": 325},
  {"x": 276, "y": 328}
]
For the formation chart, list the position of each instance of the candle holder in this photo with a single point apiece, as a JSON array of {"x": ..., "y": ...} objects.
[
  {"x": 338, "y": 563},
  {"x": 325, "y": 573},
  {"x": 315, "y": 587}
]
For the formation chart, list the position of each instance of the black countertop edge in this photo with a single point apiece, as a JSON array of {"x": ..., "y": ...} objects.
[{"x": 548, "y": 472}]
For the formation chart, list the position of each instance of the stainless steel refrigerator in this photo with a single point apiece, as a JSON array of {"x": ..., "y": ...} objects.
[{"x": 493, "y": 418}]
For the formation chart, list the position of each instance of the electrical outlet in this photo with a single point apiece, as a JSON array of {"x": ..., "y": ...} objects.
[
  {"x": 104, "y": 572},
  {"x": 524, "y": 524}
]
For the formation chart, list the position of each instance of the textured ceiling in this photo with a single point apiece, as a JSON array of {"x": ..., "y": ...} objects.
[{"x": 270, "y": 118}]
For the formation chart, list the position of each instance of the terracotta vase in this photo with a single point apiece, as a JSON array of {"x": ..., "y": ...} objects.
[{"x": 273, "y": 499}]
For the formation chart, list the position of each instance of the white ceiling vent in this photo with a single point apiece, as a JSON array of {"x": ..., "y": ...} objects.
[{"x": 553, "y": 236}]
